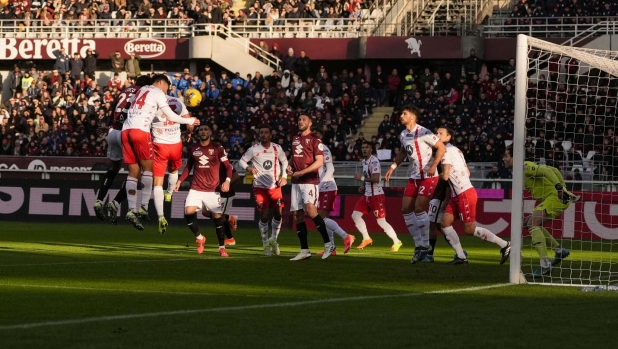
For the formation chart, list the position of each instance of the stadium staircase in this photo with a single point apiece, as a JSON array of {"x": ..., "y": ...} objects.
[
  {"x": 450, "y": 17},
  {"x": 372, "y": 122},
  {"x": 230, "y": 50}
]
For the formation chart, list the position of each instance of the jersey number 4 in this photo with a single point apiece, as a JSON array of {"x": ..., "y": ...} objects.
[{"x": 141, "y": 99}]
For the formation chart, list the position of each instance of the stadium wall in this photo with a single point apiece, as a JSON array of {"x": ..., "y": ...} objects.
[{"x": 39, "y": 200}]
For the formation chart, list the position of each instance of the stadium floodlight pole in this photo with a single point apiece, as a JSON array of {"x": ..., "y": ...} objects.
[{"x": 521, "y": 85}]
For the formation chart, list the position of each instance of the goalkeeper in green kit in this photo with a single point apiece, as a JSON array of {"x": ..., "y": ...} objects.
[{"x": 545, "y": 184}]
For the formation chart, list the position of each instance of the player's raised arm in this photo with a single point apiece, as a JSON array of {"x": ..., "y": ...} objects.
[{"x": 161, "y": 101}]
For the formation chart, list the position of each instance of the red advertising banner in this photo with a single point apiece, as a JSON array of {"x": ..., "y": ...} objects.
[
  {"x": 596, "y": 217},
  {"x": 420, "y": 47},
  {"x": 162, "y": 49},
  {"x": 317, "y": 49}
]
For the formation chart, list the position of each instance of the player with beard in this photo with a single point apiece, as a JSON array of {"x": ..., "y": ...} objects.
[
  {"x": 307, "y": 158},
  {"x": 205, "y": 159},
  {"x": 417, "y": 143},
  {"x": 268, "y": 162},
  {"x": 114, "y": 151}
]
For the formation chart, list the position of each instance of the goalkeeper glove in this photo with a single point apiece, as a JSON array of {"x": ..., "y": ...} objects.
[{"x": 564, "y": 198}]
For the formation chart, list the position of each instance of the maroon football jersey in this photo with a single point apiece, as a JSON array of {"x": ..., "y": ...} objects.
[
  {"x": 304, "y": 150},
  {"x": 205, "y": 161},
  {"x": 121, "y": 107}
]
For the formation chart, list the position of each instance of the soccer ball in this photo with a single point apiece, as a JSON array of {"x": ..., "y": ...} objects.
[{"x": 193, "y": 98}]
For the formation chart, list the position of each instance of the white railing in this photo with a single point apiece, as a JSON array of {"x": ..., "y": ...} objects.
[
  {"x": 300, "y": 28},
  {"x": 576, "y": 32},
  {"x": 100, "y": 28},
  {"x": 229, "y": 34},
  {"x": 394, "y": 18},
  {"x": 432, "y": 19}
]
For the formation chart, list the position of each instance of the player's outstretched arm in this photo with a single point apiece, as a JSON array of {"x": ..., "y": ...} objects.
[
  {"x": 185, "y": 173},
  {"x": 244, "y": 162},
  {"x": 398, "y": 160},
  {"x": 446, "y": 172},
  {"x": 284, "y": 163}
]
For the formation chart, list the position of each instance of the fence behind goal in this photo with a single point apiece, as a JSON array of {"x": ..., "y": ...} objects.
[{"x": 566, "y": 98}]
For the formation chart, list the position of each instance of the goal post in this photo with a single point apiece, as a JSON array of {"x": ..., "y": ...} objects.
[{"x": 566, "y": 98}]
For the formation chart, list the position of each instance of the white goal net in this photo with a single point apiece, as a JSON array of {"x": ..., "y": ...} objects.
[{"x": 566, "y": 101}]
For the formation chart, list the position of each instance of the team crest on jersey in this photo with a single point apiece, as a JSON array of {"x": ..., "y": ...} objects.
[
  {"x": 211, "y": 151},
  {"x": 197, "y": 153},
  {"x": 306, "y": 141}
]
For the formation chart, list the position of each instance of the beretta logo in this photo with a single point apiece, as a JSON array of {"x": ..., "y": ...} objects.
[{"x": 145, "y": 48}]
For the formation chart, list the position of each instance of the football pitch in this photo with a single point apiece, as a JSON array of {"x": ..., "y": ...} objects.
[{"x": 104, "y": 286}]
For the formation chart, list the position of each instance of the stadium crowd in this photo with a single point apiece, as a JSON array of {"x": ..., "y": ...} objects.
[
  {"x": 557, "y": 12},
  {"x": 123, "y": 13},
  {"x": 58, "y": 113}
]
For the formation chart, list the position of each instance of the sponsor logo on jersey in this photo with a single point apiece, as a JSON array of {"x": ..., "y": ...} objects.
[
  {"x": 203, "y": 160},
  {"x": 296, "y": 142},
  {"x": 197, "y": 153},
  {"x": 299, "y": 149}
]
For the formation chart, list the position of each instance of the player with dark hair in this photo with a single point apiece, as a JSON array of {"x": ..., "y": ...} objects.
[
  {"x": 205, "y": 159},
  {"x": 227, "y": 197},
  {"x": 268, "y": 163},
  {"x": 114, "y": 151},
  {"x": 137, "y": 146},
  {"x": 417, "y": 143},
  {"x": 307, "y": 158},
  {"x": 328, "y": 194},
  {"x": 545, "y": 184},
  {"x": 463, "y": 202},
  {"x": 373, "y": 200}
]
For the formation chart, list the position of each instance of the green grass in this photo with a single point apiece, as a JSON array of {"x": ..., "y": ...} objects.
[{"x": 80, "y": 274}]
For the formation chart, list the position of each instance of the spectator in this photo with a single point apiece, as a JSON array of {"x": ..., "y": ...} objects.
[
  {"x": 473, "y": 65},
  {"x": 90, "y": 62},
  {"x": 393, "y": 87},
  {"x": 493, "y": 174},
  {"x": 289, "y": 62},
  {"x": 15, "y": 81},
  {"x": 302, "y": 65},
  {"x": 77, "y": 66},
  {"x": 117, "y": 61},
  {"x": 131, "y": 66},
  {"x": 62, "y": 61}
]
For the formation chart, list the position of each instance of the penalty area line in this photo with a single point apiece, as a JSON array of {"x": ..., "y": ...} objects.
[
  {"x": 238, "y": 308},
  {"x": 124, "y": 290}
]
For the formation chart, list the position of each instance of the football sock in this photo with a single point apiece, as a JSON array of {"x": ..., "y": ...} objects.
[
  {"x": 388, "y": 229},
  {"x": 432, "y": 243},
  {"x": 192, "y": 223},
  {"x": 301, "y": 231},
  {"x": 357, "y": 217},
  {"x": 333, "y": 226},
  {"x": 491, "y": 237},
  {"x": 423, "y": 225},
  {"x": 146, "y": 188},
  {"x": 107, "y": 182},
  {"x": 220, "y": 230},
  {"x": 331, "y": 235},
  {"x": 453, "y": 239},
  {"x": 276, "y": 228},
  {"x": 131, "y": 186},
  {"x": 538, "y": 242},
  {"x": 172, "y": 179},
  {"x": 121, "y": 195},
  {"x": 263, "y": 232},
  {"x": 319, "y": 223},
  {"x": 228, "y": 227},
  {"x": 157, "y": 193},
  {"x": 550, "y": 241},
  {"x": 412, "y": 223}
]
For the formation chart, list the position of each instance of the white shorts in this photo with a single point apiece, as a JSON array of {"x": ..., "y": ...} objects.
[
  {"x": 114, "y": 145},
  {"x": 436, "y": 211},
  {"x": 226, "y": 204},
  {"x": 303, "y": 194},
  {"x": 210, "y": 200}
]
